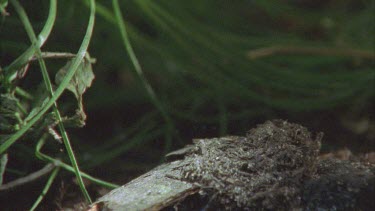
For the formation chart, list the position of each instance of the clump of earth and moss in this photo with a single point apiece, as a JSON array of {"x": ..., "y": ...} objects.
[
  {"x": 266, "y": 169},
  {"x": 275, "y": 167}
]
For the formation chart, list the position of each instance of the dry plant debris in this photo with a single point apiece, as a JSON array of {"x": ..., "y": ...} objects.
[{"x": 264, "y": 169}]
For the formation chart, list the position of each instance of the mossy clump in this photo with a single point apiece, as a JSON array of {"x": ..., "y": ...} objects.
[{"x": 264, "y": 170}]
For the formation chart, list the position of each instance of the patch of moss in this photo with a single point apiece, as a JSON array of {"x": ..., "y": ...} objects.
[{"x": 265, "y": 169}]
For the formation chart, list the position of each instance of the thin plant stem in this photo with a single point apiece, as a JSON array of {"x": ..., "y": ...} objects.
[
  {"x": 60, "y": 89},
  {"x": 65, "y": 166},
  {"x": 46, "y": 188},
  {"x": 23, "y": 59},
  {"x": 20, "y": 92},
  {"x": 29, "y": 178},
  {"x": 48, "y": 85},
  {"x": 54, "y": 55}
]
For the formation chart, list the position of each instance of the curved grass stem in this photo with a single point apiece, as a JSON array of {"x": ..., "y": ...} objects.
[
  {"x": 48, "y": 84},
  {"x": 65, "y": 166}
]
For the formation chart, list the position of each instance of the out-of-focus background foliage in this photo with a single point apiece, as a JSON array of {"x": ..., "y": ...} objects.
[{"x": 216, "y": 67}]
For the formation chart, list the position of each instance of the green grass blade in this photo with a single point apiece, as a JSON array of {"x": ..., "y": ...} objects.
[
  {"x": 76, "y": 62},
  {"x": 25, "y": 57},
  {"x": 46, "y": 188},
  {"x": 134, "y": 60},
  {"x": 139, "y": 73},
  {"x": 67, "y": 167},
  {"x": 48, "y": 84}
]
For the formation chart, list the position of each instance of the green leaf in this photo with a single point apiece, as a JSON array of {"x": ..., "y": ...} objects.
[
  {"x": 82, "y": 78},
  {"x": 77, "y": 120}
]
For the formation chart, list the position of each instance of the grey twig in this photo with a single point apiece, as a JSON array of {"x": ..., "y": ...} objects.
[
  {"x": 54, "y": 55},
  {"x": 29, "y": 178}
]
